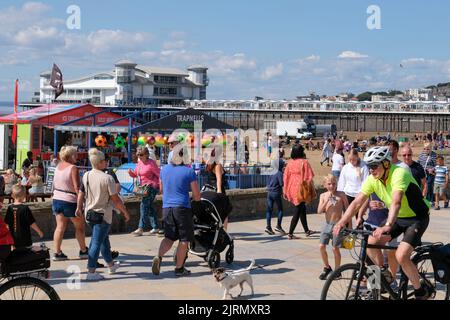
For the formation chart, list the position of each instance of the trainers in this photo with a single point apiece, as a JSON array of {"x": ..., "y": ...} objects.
[
  {"x": 154, "y": 231},
  {"x": 326, "y": 271},
  {"x": 113, "y": 268},
  {"x": 99, "y": 265},
  {"x": 426, "y": 291},
  {"x": 138, "y": 232},
  {"x": 182, "y": 272},
  {"x": 94, "y": 276},
  {"x": 387, "y": 274},
  {"x": 394, "y": 285},
  {"x": 269, "y": 231},
  {"x": 437, "y": 208},
  {"x": 280, "y": 229},
  {"x": 114, "y": 254},
  {"x": 85, "y": 254},
  {"x": 309, "y": 233},
  {"x": 59, "y": 256},
  {"x": 161, "y": 231},
  {"x": 156, "y": 265}
]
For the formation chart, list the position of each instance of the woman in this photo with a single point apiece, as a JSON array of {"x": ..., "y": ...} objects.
[
  {"x": 327, "y": 152},
  {"x": 298, "y": 170},
  {"x": 352, "y": 176},
  {"x": 10, "y": 181},
  {"x": 66, "y": 185},
  {"x": 216, "y": 178},
  {"x": 35, "y": 181},
  {"x": 99, "y": 196},
  {"x": 148, "y": 173},
  {"x": 338, "y": 163}
]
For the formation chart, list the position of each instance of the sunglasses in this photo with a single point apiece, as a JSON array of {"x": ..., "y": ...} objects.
[
  {"x": 407, "y": 155},
  {"x": 374, "y": 166}
]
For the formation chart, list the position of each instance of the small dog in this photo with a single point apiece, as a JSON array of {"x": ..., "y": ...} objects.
[{"x": 230, "y": 279}]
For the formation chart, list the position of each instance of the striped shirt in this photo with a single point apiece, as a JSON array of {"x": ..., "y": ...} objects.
[
  {"x": 427, "y": 161},
  {"x": 441, "y": 173}
]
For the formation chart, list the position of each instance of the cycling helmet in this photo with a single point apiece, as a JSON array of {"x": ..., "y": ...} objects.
[{"x": 377, "y": 155}]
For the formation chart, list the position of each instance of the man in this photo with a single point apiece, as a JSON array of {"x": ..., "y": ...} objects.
[
  {"x": 28, "y": 161},
  {"x": 427, "y": 159},
  {"x": 416, "y": 169},
  {"x": 408, "y": 211},
  {"x": 393, "y": 149},
  {"x": 176, "y": 181}
]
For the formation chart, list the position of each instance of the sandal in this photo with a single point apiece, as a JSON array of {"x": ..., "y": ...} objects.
[
  {"x": 292, "y": 237},
  {"x": 309, "y": 233}
]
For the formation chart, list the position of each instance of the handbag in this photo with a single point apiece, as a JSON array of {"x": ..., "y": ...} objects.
[
  {"x": 140, "y": 190},
  {"x": 92, "y": 216}
]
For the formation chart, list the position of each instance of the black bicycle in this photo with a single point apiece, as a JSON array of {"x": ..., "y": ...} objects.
[
  {"x": 365, "y": 281},
  {"x": 22, "y": 273}
]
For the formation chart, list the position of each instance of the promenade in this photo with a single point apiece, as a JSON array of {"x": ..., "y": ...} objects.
[{"x": 290, "y": 268}]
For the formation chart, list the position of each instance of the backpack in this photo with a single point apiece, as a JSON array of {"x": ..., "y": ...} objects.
[{"x": 440, "y": 258}]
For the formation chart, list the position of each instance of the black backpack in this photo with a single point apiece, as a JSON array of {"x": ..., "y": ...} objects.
[{"x": 440, "y": 257}]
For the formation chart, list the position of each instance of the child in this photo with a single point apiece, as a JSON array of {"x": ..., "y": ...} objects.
[
  {"x": 440, "y": 182},
  {"x": 274, "y": 194},
  {"x": 19, "y": 219},
  {"x": 35, "y": 180},
  {"x": 333, "y": 203},
  {"x": 6, "y": 240}
]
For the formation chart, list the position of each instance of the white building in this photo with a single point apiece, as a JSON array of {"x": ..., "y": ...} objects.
[
  {"x": 131, "y": 84},
  {"x": 422, "y": 94}
]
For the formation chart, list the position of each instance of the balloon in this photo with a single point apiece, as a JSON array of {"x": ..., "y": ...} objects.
[
  {"x": 159, "y": 141},
  {"x": 151, "y": 140},
  {"x": 119, "y": 142},
  {"x": 181, "y": 137},
  {"x": 141, "y": 141},
  {"x": 206, "y": 142},
  {"x": 100, "y": 141}
]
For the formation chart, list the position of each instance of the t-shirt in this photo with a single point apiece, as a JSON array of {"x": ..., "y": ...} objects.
[
  {"x": 98, "y": 195},
  {"x": 413, "y": 204},
  {"x": 26, "y": 163},
  {"x": 19, "y": 219},
  {"x": 377, "y": 216},
  {"x": 338, "y": 162},
  {"x": 275, "y": 183},
  {"x": 417, "y": 172},
  {"x": 176, "y": 181},
  {"x": 441, "y": 172}
]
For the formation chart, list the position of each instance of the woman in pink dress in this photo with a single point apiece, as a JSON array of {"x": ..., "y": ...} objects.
[{"x": 297, "y": 171}]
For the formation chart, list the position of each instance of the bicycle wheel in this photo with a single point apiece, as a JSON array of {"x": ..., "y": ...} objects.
[
  {"x": 27, "y": 288},
  {"x": 341, "y": 285},
  {"x": 426, "y": 272}
]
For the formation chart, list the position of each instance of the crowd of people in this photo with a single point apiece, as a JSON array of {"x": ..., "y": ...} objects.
[{"x": 396, "y": 195}]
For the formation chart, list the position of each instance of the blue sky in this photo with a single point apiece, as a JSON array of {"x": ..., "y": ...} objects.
[{"x": 275, "y": 49}]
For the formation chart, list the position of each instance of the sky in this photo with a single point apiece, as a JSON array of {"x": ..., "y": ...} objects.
[{"x": 273, "y": 49}]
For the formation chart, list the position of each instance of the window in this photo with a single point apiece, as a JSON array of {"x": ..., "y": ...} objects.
[{"x": 35, "y": 137}]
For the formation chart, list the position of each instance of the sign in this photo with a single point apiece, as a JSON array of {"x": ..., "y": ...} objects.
[
  {"x": 49, "y": 180},
  {"x": 23, "y": 144}
]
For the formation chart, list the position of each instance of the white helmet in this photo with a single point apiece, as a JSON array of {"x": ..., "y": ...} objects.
[{"x": 377, "y": 155}]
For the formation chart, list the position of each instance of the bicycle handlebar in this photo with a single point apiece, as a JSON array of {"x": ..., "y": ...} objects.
[{"x": 358, "y": 231}]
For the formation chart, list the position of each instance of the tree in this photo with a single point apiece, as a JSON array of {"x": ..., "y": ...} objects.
[{"x": 365, "y": 96}]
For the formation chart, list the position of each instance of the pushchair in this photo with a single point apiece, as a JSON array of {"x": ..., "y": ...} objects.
[{"x": 210, "y": 238}]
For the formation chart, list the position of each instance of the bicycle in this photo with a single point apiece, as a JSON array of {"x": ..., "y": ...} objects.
[
  {"x": 347, "y": 281},
  {"x": 21, "y": 275}
]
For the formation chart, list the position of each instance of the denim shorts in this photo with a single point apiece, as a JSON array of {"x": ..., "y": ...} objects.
[{"x": 68, "y": 209}]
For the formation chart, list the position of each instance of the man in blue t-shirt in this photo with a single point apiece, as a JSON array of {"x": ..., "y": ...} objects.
[{"x": 175, "y": 183}]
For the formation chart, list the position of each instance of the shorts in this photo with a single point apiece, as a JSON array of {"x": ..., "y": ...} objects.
[
  {"x": 439, "y": 189},
  {"x": 68, "y": 209},
  {"x": 327, "y": 233},
  {"x": 371, "y": 227},
  {"x": 178, "y": 224},
  {"x": 412, "y": 228}
]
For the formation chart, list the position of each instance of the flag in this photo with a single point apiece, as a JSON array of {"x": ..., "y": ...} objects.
[
  {"x": 16, "y": 103},
  {"x": 56, "y": 81}
]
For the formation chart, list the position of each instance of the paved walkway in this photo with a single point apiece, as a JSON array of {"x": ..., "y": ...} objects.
[{"x": 291, "y": 267}]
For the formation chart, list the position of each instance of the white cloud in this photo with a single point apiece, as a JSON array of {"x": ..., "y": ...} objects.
[
  {"x": 38, "y": 37},
  {"x": 225, "y": 64},
  {"x": 272, "y": 71},
  {"x": 351, "y": 55},
  {"x": 102, "y": 41},
  {"x": 169, "y": 45},
  {"x": 177, "y": 34}
]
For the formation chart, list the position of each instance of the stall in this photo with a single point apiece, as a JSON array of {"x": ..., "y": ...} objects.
[{"x": 35, "y": 130}]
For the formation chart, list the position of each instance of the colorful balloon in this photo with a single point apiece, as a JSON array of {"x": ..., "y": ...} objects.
[
  {"x": 151, "y": 140},
  {"x": 119, "y": 142},
  {"x": 100, "y": 141},
  {"x": 159, "y": 141},
  {"x": 141, "y": 141}
]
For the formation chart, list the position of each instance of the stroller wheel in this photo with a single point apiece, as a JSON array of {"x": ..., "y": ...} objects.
[
  {"x": 213, "y": 259},
  {"x": 229, "y": 256}
]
